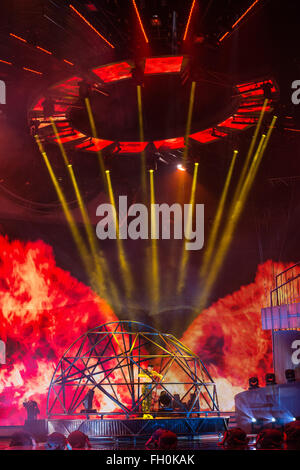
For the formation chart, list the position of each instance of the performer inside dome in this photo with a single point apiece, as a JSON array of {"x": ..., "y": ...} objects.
[{"x": 149, "y": 376}]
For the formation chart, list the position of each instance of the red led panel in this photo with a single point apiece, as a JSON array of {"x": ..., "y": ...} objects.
[
  {"x": 69, "y": 138},
  {"x": 232, "y": 125},
  {"x": 38, "y": 106},
  {"x": 95, "y": 145},
  {"x": 176, "y": 143},
  {"x": 112, "y": 73},
  {"x": 204, "y": 136},
  {"x": 132, "y": 147},
  {"x": 163, "y": 65}
]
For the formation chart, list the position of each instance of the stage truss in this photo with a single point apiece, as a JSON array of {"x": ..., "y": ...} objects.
[{"x": 109, "y": 359}]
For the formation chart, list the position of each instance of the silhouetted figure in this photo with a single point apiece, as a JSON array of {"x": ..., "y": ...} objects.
[{"x": 32, "y": 409}]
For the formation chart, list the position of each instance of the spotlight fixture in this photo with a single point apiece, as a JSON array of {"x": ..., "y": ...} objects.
[
  {"x": 290, "y": 375},
  {"x": 270, "y": 379},
  {"x": 155, "y": 21},
  {"x": 253, "y": 383},
  {"x": 180, "y": 167},
  {"x": 253, "y": 420}
]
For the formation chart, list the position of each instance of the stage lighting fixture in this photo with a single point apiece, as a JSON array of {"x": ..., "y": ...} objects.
[
  {"x": 290, "y": 375},
  {"x": 253, "y": 420},
  {"x": 253, "y": 383},
  {"x": 180, "y": 167},
  {"x": 270, "y": 379},
  {"x": 155, "y": 21},
  {"x": 165, "y": 401},
  {"x": 273, "y": 420}
]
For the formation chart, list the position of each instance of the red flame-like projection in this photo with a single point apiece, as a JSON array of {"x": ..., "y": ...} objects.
[
  {"x": 43, "y": 309},
  {"x": 228, "y": 336}
]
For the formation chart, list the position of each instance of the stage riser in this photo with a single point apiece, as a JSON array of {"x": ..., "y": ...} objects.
[{"x": 138, "y": 427}]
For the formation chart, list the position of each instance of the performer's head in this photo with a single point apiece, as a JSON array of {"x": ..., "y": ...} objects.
[{"x": 150, "y": 367}]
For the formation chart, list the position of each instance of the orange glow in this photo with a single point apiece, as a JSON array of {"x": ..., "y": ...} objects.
[
  {"x": 44, "y": 50},
  {"x": 18, "y": 37},
  {"x": 91, "y": 26},
  {"x": 189, "y": 20},
  {"x": 5, "y": 62},
  {"x": 244, "y": 14},
  {"x": 68, "y": 62},
  {"x": 140, "y": 21},
  {"x": 33, "y": 71}
]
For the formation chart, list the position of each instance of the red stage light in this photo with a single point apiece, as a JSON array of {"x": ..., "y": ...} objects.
[
  {"x": 244, "y": 14},
  {"x": 18, "y": 37},
  {"x": 239, "y": 19},
  {"x": 32, "y": 71},
  {"x": 91, "y": 26},
  {"x": 140, "y": 21},
  {"x": 189, "y": 20},
  {"x": 112, "y": 73},
  {"x": 5, "y": 62},
  {"x": 163, "y": 65},
  {"x": 68, "y": 62},
  {"x": 44, "y": 50}
]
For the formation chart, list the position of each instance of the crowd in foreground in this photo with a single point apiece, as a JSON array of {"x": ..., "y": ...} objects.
[{"x": 163, "y": 439}]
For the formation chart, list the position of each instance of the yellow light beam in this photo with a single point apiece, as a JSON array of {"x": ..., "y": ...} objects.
[
  {"x": 189, "y": 121},
  {"x": 154, "y": 252},
  {"x": 185, "y": 253},
  {"x": 80, "y": 244},
  {"x": 95, "y": 135},
  {"x": 217, "y": 220},
  {"x": 102, "y": 272},
  {"x": 234, "y": 217},
  {"x": 142, "y": 139},
  {"x": 125, "y": 269},
  {"x": 250, "y": 152}
]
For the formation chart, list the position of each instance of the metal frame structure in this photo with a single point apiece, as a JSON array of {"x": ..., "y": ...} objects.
[{"x": 108, "y": 360}]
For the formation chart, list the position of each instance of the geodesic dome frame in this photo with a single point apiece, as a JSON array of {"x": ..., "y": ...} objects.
[{"x": 108, "y": 360}]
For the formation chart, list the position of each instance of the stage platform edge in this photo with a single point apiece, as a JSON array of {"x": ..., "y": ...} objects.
[{"x": 138, "y": 428}]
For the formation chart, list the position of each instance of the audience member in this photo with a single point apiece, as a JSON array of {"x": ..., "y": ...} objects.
[
  {"x": 234, "y": 438},
  {"x": 292, "y": 435},
  {"x": 79, "y": 440},
  {"x": 57, "y": 441},
  {"x": 270, "y": 439},
  {"x": 167, "y": 440},
  {"x": 22, "y": 439}
]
